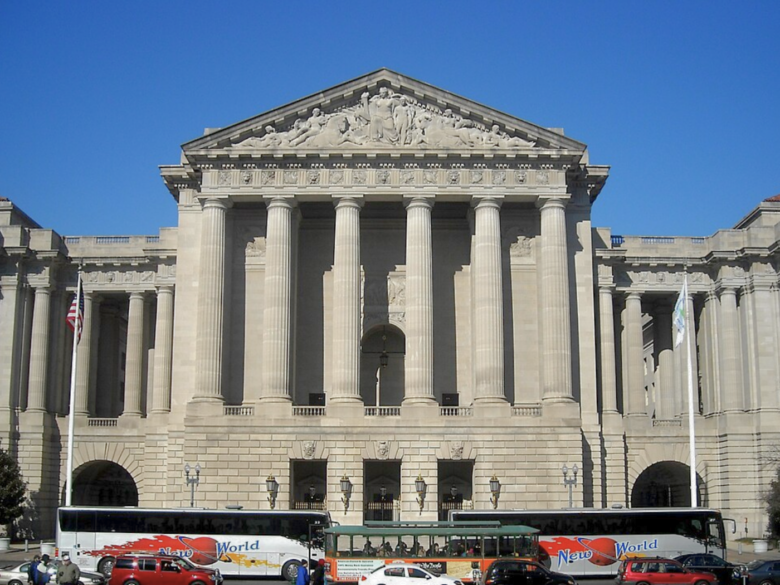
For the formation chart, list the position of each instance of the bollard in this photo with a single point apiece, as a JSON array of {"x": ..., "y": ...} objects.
[
  {"x": 26, "y": 545},
  {"x": 739, "y": 549}
]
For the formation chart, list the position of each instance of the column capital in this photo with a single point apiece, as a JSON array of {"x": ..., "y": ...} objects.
[
  {"x": 217, "y": 203},
  {"x": 549, "y": 202},
  {"x": 633, "y": 295},
  {"x": 165, "y": 289},
  {"x": 419, "y": 200},
  {"x": 349, "y": 200},
  {"x": 727, "y": 289},
  {"x": 483, "y": 201},
  {"x": 286, "y": 201}
]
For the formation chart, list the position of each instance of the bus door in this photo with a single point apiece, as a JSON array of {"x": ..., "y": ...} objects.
[{"x": 83, "y": 540}]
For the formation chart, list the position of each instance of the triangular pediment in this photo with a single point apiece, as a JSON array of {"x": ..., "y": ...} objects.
[{"x": 383, "y": 112}]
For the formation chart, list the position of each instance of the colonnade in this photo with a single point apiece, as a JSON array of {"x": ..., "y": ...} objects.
[{"x": 487, "y": 288}]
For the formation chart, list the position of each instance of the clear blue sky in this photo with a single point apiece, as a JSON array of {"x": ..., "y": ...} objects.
[{"x": 682, "y": 99}]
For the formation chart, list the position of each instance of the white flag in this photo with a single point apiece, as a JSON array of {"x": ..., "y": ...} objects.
[{"x": 678, "y": 315}]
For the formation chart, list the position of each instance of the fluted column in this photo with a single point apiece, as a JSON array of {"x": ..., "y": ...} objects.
[
  {"x": 163, "y": 351},
  {"x": 694, "y": 360},
  {"x": 211, "y": 308},
  {"x": 84, "y": 357},
  {"x": 730, "y": 352},
  {"x": 607, "y": 331},
  {"x": 346, "y": 303},
  {"x": 419, "y": 302},
  {"x": 666, "y": 388},
  {"x": 277, "y": 312},
  {"x": 488, "y": 303},
  {"x": 634, "y": 366},
  {"x": 556, "y": 323},
  {"x": 134, "y": 363},
  {"x": 39, "y": 351}
]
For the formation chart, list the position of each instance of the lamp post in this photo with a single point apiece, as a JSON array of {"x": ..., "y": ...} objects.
[
  {"x": 273, "y": 490},
  {"x": 495, "y": 491},
  {"x": 422, "y": 488},
  {"x": 346, "y": 491},
  {"x": 570, "y": 482},
  {"x": 192, "y": 481}
]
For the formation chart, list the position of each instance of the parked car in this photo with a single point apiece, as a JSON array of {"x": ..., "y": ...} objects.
[
  {"x": 763, "y": 572},
  {"x": 405, "y": 574},
  {"x": 16, "y": 574},
  {"x": 519, "y": 572},
  {"x": 161, "y": 570},
  {"x": 727, "y": 573},
  {"x": 660, "y": 571}
]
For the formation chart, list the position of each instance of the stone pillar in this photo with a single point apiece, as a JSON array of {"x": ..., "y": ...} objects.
[
  {"x": 730, "y": 352},
  {"x": 84, "y": 357},
  {"x": 488, "y": 303},
  {"x": 39, "y": 351},
  {"x": 134, "y": 364},
  {"x": 419, "y": 302},
  {"x": 211, "y": 308},
  {"x": 277, "y": 313},
  {"x": 666, "y": 389},
  {"x": 556, "y": 322},
  {"x": 694, "y": 359},
  {"x": 346, "y": 303},
  {"x": 634, "y": 366},
  {"x": 163, "y": 351},
  {"x": 608, "y": 369}
]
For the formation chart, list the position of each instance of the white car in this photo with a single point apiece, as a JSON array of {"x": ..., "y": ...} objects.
[
  {"x": 405, "y": 574},
  {"x": 16, "y": 574}
]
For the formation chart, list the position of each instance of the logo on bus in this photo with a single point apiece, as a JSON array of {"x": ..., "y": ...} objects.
[{"x": 598, "y": 551}]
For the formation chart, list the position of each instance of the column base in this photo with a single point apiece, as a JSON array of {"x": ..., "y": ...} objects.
[
  {"x": 129, "y": 421},
  {"x": 486, "y": 409},
  {"x": 419, "y": 408},
  {"x": 198, "y": 408},
  {"x": 279, "y": 409},
  {"x": 566, "y": 409},
  {"x": 346, "y": 410}
]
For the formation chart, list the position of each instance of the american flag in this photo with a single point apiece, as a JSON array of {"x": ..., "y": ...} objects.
[{"x": 76, "y": 311}]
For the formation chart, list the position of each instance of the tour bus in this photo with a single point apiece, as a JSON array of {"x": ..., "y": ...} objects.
[
  {"x": 461, "y": 550},
  {"x": 592, "y": 541},
  {"x": 237, "y": 542}
]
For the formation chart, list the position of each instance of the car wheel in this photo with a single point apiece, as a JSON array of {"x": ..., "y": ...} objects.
[
  {"x": 197, "y": 583},
  {"x": 132, "y": 582},
  {"x": 14, "y": 582},
  {"x": 106, "y": 565},
  {"x": 766, "y": 582},
  {"x": 643, "y": 583},
  {"x": 702, "y": 582},
  {"x": 290, "y": 570}
]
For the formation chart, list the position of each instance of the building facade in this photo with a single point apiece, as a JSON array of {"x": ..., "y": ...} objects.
[{"x": 380, "y": 298}]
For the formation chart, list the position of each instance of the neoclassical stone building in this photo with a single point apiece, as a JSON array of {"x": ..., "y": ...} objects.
[{"x": 386, "y": 282}]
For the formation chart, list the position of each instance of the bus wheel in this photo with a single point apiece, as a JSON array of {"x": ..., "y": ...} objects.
[
  {"x": 290, "y": 570},
  {"x": 106, "y": 565}
]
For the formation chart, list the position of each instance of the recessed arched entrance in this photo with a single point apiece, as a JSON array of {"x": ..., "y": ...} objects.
[
  {"x": 382, "y": 366},
  {"x": 666, "y": 484},
  {"x": 103, "y": 483}
]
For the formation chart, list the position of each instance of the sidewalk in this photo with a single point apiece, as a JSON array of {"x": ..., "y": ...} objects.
[
  {"x": 734, "y": 556},
  {"x": 17, "y": 554}
]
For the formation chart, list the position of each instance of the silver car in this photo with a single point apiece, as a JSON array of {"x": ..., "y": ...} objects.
[{"x": 17, "y": 575}]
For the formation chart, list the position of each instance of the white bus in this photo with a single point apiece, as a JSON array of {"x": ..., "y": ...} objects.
[
  {"x": 591, "y": 541},
  {"x": 237, "y": 542}
]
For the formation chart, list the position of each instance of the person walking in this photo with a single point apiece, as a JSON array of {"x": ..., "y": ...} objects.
[
  {"x": 32, "y": 571},
  {"x": 303, "y": 574},
  {"x": 68, "y": 573},
  {"x": 318, "y": 574}
]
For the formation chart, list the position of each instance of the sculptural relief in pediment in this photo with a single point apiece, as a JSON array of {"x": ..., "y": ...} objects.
[{"x": 385, "y": 119}]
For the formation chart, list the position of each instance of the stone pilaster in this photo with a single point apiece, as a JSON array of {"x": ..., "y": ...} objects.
[
  {"x": 419, "y": 302},
  {"x": 488, "y": 303},
  {"x": 163, "y": 350},
  {"x": 730, "y": 352},
  {"x": 39, "y": 351},
  {"x": 277, "y": 313},
  {"x": 84, "y": 357},
  {"x": 634, "y": 364},
  {"x": 607, "y": 331},
  {"x": 556, "y": 322},
  {"x": 134, "y": 366},
  {"x": 346, "y": 303},
  {"x": 211, "y": 303}
]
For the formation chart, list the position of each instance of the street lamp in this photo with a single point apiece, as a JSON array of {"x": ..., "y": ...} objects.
[
  {"x": 273, "y": 490},
  {"x": 495, "y": 491},
  {"x": 422, "y": 488},
  {"x": 570, "y": 482},
  {"x": 346, "y": 491},
  {"x": 192, "y": 481}
]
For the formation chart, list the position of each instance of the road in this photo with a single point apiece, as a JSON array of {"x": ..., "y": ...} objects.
[{"x": 267, "y": 581}]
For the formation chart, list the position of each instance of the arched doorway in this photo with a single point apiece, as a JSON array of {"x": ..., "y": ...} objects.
[
  {"x": 103, "y": 483},
  {"x": 382, "y": 366},
  {"x": 666, "y": 484}
]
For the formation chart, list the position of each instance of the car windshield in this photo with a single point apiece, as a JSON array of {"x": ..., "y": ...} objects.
[{"x": 754, "y": 564}]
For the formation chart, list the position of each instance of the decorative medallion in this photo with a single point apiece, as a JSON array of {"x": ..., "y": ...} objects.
[{"x": 309, "y": 448}]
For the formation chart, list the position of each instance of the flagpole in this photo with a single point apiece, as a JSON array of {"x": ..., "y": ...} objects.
[
  {"x": 72, "y": 406},
  {"x": 691, "y": 429}
]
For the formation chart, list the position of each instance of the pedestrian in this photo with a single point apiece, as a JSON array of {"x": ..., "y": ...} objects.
[
  {"x": 32, "y": 570},
  {"x": 318, "y": 574},
  {"x": 69, "y": 572},
  {"x": 303, "y": 574},
  {"x": 43, "y": 576}
]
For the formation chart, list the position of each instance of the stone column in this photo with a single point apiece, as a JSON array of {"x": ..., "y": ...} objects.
[
  {"x": 211, "y": 308},
  {"x": 277, "y": 313},
  {"x": 488, "y": 303},
  {"x": 346, "y": 303},
  {"x": 666, "y": 389},
  {"x": 608, "y": 370},
  {"x": 556, "y": 323},
  {"x": 634, "y": 366},
  {"x": 163, "y": 351},
  {"x": 84, "y": 357},
  {"x": 39, "y": 351},
  {"x": 134, "y": 363},
  {"x": 694, "y": 360},
  {"x": 730, "y": 352},
  {"x": 419, "y": 302}
]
